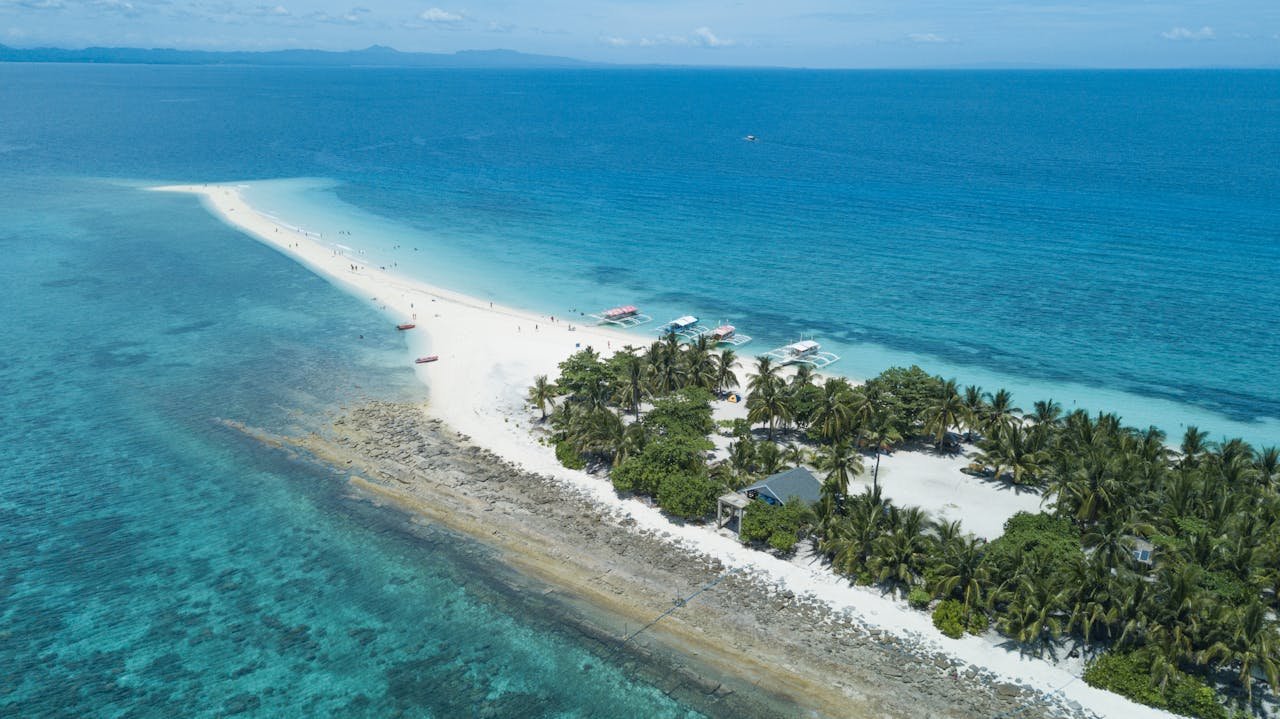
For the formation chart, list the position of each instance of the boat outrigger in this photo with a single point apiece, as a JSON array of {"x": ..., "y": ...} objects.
[
  {"x": 405, "y": 326},
  {"x": 803, "y": 352},
  {"x": 623, "y": 316},
  {"x": 686, "y": 327},
  {"x": 727, "y": 335}
]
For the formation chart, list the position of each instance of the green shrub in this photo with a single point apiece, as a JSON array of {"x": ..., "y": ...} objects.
[
  {"x": 688, "y": 495},
  {"x": 919, "y": 598},
  {"x": 948, "y": 617},
  {"x": 1129, "y": 674},
  {"x": 779, "y": 526},
  {"x": 1053, "y": 541},
  {"x": 569, "y": 456},
  {"x": 978, "y": 622}
]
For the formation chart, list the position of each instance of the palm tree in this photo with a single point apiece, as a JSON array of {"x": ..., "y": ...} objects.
[
  {"x": 1000, "y": 412},
  {"x": 632, "y": 388},
  {"x": 975, "y": 408},
  {"x": 700, "y": 364},
  {"x": 542, "y": 393},
  {"x": 769, "y": 404},
  {"x": 1015, "y": 450},
  {"x": 883, "y": 434},
  {"x": 666, "y": 374},
  {"x": 841, "y": 464},
  {"x": 834, "y": 416},
  {"x": 803, "y": 377},
  {"x": 946, "y": 411},
  {"x": 794, "y": 455},
  {"x": 899, "y": 557},
  {"x": 1033, "y": 614},
  {"x": 1046, "y": 412},
  {"x": 1251, "y": 641},
  {"x": 768, "y": 458},
  {"x": 851, "y": 542},
  {"x": 961, "y": 572},
  {"x": 725, "y": 378},
  {"x": 742, "y": 456},
  {"x": 766, "y": 375},
  {"x": 1194, "y": 446}
]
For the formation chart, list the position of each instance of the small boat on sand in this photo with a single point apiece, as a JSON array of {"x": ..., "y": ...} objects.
[
  {"x": 405, "y": 326},
  {"x": 428, "y": 358}
]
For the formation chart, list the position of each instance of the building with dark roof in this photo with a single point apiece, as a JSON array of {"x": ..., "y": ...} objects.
[{"x": 778, "y": 488}]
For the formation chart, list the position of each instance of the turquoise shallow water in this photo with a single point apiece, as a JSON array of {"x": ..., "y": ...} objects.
[
  {"x": 1107, "y": 239},
  {"x": 154, "y": 562}
]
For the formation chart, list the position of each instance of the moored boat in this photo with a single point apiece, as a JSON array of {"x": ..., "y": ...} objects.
[
  {"x": 405, "y": 326},
  {"x": 426, "y": 359}
]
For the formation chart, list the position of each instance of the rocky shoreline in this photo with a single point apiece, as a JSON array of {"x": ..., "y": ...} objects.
[{"x": 740, "y": 648}]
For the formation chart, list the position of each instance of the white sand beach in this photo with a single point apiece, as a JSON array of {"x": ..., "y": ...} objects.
[{"x": 490, "y": 354}]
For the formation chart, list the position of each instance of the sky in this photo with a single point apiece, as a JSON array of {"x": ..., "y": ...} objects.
[{"x": 792, "y": 33}]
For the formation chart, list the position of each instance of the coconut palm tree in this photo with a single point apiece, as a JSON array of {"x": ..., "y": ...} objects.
[
  {"x": 1033, "y": 615},
  {"x": 768, "y": 458},
  {"x": 803, "y": 377},
  {"x": 700, "y": 364},
  {"x": 766, "y": 374},
  {"x": 794, "y": 455},
  {"x": 1250, "y": 641},
  {"x": 769, "y": 405},
  {"x": 541, "y": 394},
  {"x": 666, "y": 371},
  {"x": 841, "y": 463},
  {"x": 975, "y": 408},
  {"x": 961, "y": 573},
  {"x": 725, "y": 378},
  {"x": 883, "y": 433},
  {"x": 1000, "y": 412},
  {"x": 1194, "y": 446},
  {"x": 946, "y": 411},
  {"x": 632, "y": 388},
  {"x": 1015, "y": 450},
  {"x": 833, "y": 417},
  {"x": 898, "y": 558}
]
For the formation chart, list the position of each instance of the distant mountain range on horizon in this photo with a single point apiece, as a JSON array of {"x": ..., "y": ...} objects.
[
  {"x": 374, "y": 56},
  {"x": 383, "y": 56}
]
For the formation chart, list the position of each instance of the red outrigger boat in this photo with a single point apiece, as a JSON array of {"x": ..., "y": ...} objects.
[
  {"x": 424, "y": 360},
  {"x": 405, "y": 326}
]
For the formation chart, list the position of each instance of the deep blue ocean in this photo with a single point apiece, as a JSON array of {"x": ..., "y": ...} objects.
[{"x": 1107, "y": 239}]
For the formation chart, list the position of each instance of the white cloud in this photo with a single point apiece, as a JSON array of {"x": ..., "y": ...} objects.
[
  {"x": 1182, "y": 33},
  {"x": 354, "y": 16},
  {"x": 41, "y": 4},
  {"x": 926, "y": 37},
  {"x": 435, "y": 14},
  {"x": 702, "y": 37}
]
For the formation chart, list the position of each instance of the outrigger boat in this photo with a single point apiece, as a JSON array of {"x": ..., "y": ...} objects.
[
  {"x": 622, "y": 316},
  {"x": 424, "y": 360},
  {"x": 727, "y": 335},
  {"x": 405, "y": 326},
  {"x": 686, "y": 327},
  {"x": 803, "y": 352}
]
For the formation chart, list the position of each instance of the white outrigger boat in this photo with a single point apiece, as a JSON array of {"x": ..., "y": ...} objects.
[
  {"x": 686, "y": 327},
  {"x": 803, "y": 352},
  {"x": 622, "y": 316},
  {"x": 727, "y": 335}
]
